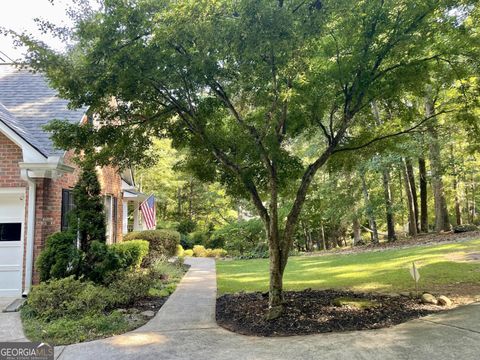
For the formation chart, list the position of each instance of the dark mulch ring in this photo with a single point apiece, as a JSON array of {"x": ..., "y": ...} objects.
[{"x": 312, "y": 311}]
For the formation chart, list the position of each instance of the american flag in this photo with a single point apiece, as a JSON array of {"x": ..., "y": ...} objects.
[{"x": 149, "y": 214}]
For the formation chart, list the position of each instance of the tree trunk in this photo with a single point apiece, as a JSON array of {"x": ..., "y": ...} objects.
[
  {"x": 324, "y": 246},
  {"x": 400, "y": 190},
  {"x": 276, "y": 280},
  {"x": 387, "y": 191},
  {"x": 442, "y": 222},
  {"x": 179, "y": 202},
  {"x": 190, "y": 199},
  {"x": 458, "y": 210},
  {"x": 422, "y": 170},
  {"x": 371, "y": 216},
  {"x": 411, "y": 181},
  {"x": 412, "y": 227},
  {"x": 474, "y": 202},
  {"x": 357, "y": 235}
]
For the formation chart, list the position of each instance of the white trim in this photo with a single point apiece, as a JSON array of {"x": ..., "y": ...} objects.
[
  {"x": 13, "y": 190},
  {"x": 32, "y": 202},
  {"x": 52, "y": 169}
]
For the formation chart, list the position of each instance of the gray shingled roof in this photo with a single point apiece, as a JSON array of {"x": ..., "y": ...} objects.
[{"x": 29, "y": 103}]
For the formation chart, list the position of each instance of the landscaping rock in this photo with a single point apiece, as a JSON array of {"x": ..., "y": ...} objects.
[
  {"x": 122, "y": 311},
  {"x": 148, "y": 313},
  {"x": 429, "y": 299},
  {"x": 353, "y": 303},
  {"x": 393, "y": 295},
  {"x": 444, "y": 301},
  {"x": 133, "y": 311}
]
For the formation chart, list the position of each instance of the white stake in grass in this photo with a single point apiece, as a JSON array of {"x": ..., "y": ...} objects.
[{"x": 415, "y": 275}]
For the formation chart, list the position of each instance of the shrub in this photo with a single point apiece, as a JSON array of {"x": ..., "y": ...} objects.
[
  {"x": 239, "y": 237},
  {"x": 199, "y": 238},
  {"x": 464, "y": 228},
  {"x": 162, "y": 242},
  {"x": 101, "y": 262},
  {"x": 219, "y": 253},
  {"x": 186, "y": 241},
  {"x": 67, "y": 297},
  {"x": 199, "y": 251},
  {"x": 188, "y": 252},
  {"x": 216, "y": 242},
  {"x": 131, "y": 252},
  {"x": 167, "y": 270},
  {"x": 130, "y": 286},
  {"x": 180, "y": 251},
  {"x": 59, "y": 258},
  {"x": 186, "y": 226}
]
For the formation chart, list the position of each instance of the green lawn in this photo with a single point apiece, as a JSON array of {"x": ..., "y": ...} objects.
[{"x": 383, "y": 271}]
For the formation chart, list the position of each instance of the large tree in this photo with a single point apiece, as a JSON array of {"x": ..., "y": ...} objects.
[{"x": 237, "y": 82}]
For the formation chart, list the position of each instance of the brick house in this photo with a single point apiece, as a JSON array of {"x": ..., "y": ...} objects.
[{"x": 36, "y": 179}]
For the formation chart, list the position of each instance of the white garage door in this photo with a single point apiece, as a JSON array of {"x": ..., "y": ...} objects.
[{"x": 12, "y": 209}]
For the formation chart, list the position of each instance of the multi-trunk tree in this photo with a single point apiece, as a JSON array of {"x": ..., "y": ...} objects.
[{"x": 237, "y": 82}]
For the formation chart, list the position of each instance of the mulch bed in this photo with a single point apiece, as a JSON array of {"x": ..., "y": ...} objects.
[
  {"x": 312, "y": 311},
  {"x": 153, "y": 303}
]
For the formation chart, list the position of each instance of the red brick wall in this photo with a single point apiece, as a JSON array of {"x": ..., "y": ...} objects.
[
  {"x": 49, "y": 193},
  {"x": 48, "y": 210},
  {"x": 10, "y": 156}
]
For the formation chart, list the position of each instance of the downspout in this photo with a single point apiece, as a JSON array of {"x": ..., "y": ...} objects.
[{"x": 32, "y": 190}]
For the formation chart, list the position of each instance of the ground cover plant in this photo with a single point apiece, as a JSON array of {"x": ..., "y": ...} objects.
[{"x": 69, "y": 310}]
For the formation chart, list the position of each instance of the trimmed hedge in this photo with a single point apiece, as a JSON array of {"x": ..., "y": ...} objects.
[
  {"x": 131, "y": 252},
  {"x": 163, "y": 243}
]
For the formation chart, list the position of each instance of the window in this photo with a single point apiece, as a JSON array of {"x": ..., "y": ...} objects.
[
  {"x": 67, "y": 206},
  {"x": 10, "y": 231}
]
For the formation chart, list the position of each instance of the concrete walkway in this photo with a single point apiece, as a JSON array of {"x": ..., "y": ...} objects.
[
  {"x": 185, "y": 328},
  {"x": 10, "y": 324}
]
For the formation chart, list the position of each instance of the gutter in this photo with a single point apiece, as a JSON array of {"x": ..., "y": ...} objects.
[{"x": 32, "y": 192}]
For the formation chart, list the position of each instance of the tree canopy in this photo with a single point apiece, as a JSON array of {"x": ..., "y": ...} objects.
[{"x": 237, "y": 84}]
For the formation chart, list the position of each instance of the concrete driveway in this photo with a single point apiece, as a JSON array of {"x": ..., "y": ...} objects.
[
  {"x": 10, "y": 324},
  {"x": 185, "y": 328}
]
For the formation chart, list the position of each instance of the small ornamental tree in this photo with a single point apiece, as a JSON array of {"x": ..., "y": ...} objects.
[
  {"x": 236, "y": 84},
  {"x": 89, "y": 215}
]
